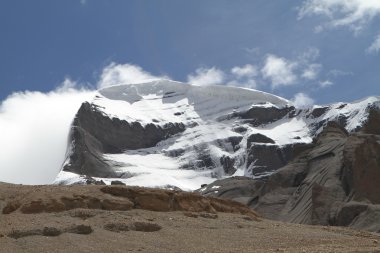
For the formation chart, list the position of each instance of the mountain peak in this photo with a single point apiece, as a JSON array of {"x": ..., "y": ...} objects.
[
  {"x": 164, "y": 133},
  {"x": 162, "y": 87}
]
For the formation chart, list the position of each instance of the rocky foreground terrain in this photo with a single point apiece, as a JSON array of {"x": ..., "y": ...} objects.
[{"x": 96, "y": 218}]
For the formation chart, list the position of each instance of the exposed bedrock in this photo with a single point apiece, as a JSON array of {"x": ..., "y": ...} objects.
[
  {"x": 333, "y": 182},
  {"x": 257, "y": 116},
  {"x": 51, "y": 199},
  {"x": 94, "y": 134},
  {"x": 372, "y": 124},
  {"x": 263, "y": 155},
  {"x": 262, "y": 158}
]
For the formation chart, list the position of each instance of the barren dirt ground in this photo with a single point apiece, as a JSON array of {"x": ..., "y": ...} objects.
[{"x": 137, "y": 230}]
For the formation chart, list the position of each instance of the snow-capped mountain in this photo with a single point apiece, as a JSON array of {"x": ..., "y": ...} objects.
[{"x": 169, "y": 134}]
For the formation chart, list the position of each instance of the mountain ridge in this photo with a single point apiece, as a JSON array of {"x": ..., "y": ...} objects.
[{"x": 193, "y": 134}]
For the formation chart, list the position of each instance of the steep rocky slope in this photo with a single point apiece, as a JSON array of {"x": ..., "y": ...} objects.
[
  {"x": 335, "y": 181},
  {"x": 170, "y": 134}
]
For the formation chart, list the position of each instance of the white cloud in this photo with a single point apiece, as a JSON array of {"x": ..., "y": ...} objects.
[
  {"x": 325, "y": 83},
  {"x": 301, "y": 100},
  {"x": 354, "y": 14},
  {"x": 279, "y": 71},
  {"x": 83, "y": 2},
  {"x": 318, "y": 29},
  {"x": 247, "y": 70},
  {"x": 311, "y": 71},
  {"x": 206, "y": 76},
  {"x": 284, "y": 72},
  {"x": 243, "y": 76},
  {"x": 34, "y": 127},
  {"x": 115, "y": 74},
  {"x": 375, "y": 46},
  {"x": 67, "y": 85},
  {"x": 309, "y": 55},
  {"x": 338, "y": 73},
  {"x": 253, "y": 50}
]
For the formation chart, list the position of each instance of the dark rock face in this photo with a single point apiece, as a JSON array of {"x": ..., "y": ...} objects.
[
  {"x": 371, "y": 126},
  {"x": 259, "y": 138},
  {"x": 263, "y": 158},
  {"x": 318, "y": 112},
  {"x": 228, "y": 164},
  {"x": 117, "y": 135},
  {"x": 333, "y": 182},
  {"x": 86, "y": 153},
  {"x": 257, "y": 116},
  {"x": 94, "y": 134}
]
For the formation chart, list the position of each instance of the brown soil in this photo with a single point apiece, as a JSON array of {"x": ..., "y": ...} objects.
[{"x": 125, "y": 219}]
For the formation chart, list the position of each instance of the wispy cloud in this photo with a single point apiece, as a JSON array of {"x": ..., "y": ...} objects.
[
  {"x": 206, "y": 76},
  {"x": 311, "y": 71},
  {"x": 338, "y": 73},
  {"x": 276, "y": 70},
  {"x": 115, "y": 74},
  {"x": 279, "y": 71},
  {"x": 302, "y": 100},
  {"x": 354, "y": 14},
  {"x": 375, "y": 46},
  {"x": 247, "y": 70},
  {"x": 325, "y": 83},
  {"x": 302, "y": 69},
  {"x": 244, "y": 76},
  {"x": 309, "y": 55}
]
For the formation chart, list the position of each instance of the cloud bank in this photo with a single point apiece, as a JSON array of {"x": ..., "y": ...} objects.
[{"x": 34, "y": 128}]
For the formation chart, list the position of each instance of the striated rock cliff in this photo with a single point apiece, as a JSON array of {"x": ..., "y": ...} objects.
[{"x": 333, "y": 182}]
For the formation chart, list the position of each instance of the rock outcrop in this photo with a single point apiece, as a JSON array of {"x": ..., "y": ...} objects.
[
  {"x": 94, "y": 134},
  {"x": 53, "y": 199},
  {"x": 335, "y": 181}
]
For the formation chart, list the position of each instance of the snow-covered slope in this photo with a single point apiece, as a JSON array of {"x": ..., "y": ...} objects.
[
  {"x": 168, "y": 101},
  {"x": 179, "y": 135}
]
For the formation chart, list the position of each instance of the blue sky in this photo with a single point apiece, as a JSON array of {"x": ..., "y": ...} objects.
[{"x": 323, "y": 50}]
